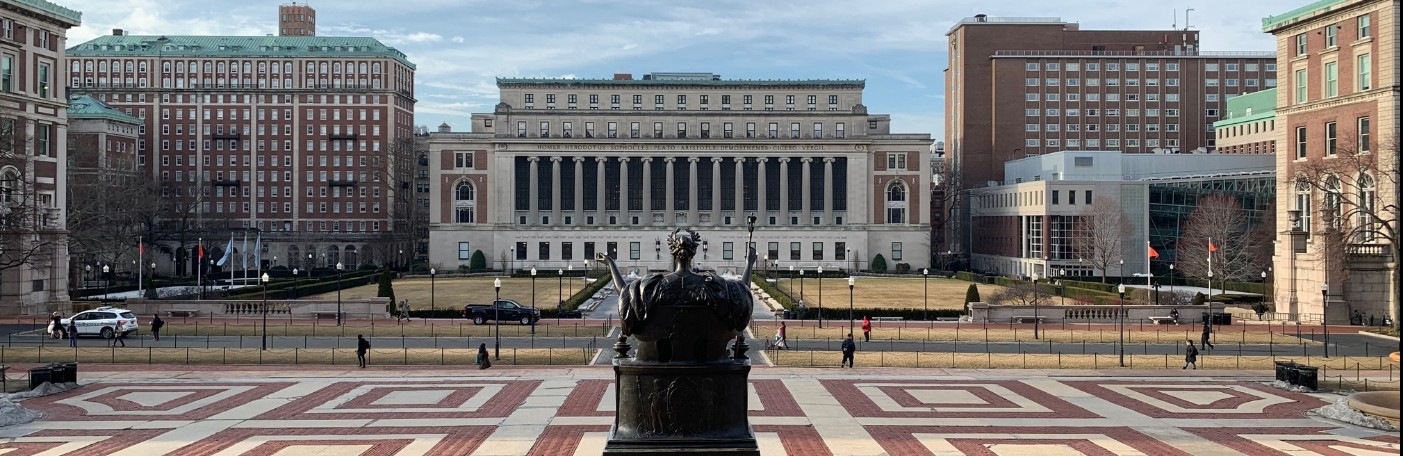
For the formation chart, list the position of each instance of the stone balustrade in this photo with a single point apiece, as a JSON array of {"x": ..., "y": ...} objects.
[{"x": 297, "y": 308}]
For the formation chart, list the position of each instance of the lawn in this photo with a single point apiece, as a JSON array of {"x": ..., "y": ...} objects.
[
  {"x": 456, "y": 292},
  {"x": 887, "y": 292},
  {"x": 1331, "y": 367},
  {"x": 882, "y": 331}
]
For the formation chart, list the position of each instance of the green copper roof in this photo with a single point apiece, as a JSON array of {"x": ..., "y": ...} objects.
[
  {"x": 681, "y": 82},
  {"x": 236, "y": 46},
  {"x": 1249, "y": 107},
  {"x": 86, "y": 107},
  {"x": 1270, "y": 23},
  {"x": 72, "y": 15}
]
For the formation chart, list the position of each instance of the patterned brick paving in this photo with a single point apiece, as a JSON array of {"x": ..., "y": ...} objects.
[{"x": 562, "y": 412}]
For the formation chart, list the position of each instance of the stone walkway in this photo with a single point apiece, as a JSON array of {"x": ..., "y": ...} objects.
[{"x": 232, "y": 410}]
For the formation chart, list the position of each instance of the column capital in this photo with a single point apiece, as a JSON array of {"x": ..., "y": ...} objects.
[
  {"x": 693, "y": 159},
  {"x": 601, "y": 159},
  {"x": 829, "y": 159},
  {"x": 579, "y": 159},
  {"x": 762, "y": 159},
  {"x": 784, "y": 160},
  {"x": 556, "y": 159},
  {"x": 646, "y": 159},
  {"x": 670, "y": 159},
  {"x": 739, "y": 160},
  {"x": 717, "y": 159},
  {"x": 807, "y": 159},
  {"x": 623, "y": 159},
  {"x": 533, "y": 159}
]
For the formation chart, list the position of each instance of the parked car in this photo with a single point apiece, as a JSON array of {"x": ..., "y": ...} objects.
[
  {"x": 105, "y": 321},
  {"x": 506, "y": 310}
]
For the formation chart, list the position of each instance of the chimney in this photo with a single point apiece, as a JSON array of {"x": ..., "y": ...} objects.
[
  {"x": 117, "y": 32},
  {"x": 623, "y": 76}
]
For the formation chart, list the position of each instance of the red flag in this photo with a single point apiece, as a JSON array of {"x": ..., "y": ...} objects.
[
  {"x": 1153, "y": 253},
  {"x": 200, "y": 251},
  {"x": 141, "y": 248},
  {"x": 1211, "y": 247}
]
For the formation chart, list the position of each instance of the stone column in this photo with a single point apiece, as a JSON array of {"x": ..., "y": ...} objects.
[
  {"x": 670, "y": 217},
  {"x": 533, "y": 218},
  {"x": 647, "y": 190},
  {"x": 784, "y": 190},
  {"x": 716, "y": 190},
  {"x": 623, "y": 189},
  {"x": 828, "y": 190},
  {"x": 740, "y": 188},
  {"x": 603, "y": 190},
  {"x": 555, "y": 191},
  {"x": 806, "y": 185},
  {"x": 579, "y": 190},
  {"x": 692, "y": 190},
  {"x": 760, "y": 190}
]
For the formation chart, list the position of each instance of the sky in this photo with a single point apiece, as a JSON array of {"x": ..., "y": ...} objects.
[{"x": 461, "y": 46}]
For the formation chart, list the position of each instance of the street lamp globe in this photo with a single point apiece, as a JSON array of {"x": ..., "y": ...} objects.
[
  {"x": 497, "y": 283},
  {"x": 1120, "y": 288},
  {"x": 533, "y": 271},
  {"x": 106, "y": 269},
  {"x": 265, "y": 277},
  {"x": 433, "y": 271}
]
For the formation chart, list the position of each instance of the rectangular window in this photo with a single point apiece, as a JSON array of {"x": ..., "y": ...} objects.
[
  {"x": 1363, "y": 135},
  {"x": 795, "y": 252},
  {"x": 1332, "y": 35},
  {"x": 465, "y": 252},
  {"x": 1300, "y": 86},
  {"x": 1301, "y": 44},
  {"x": 543, "y": 251},
  {"x": 43, "y": 83},
  {"x": 818, "y": 251},
  {"x": 772, "y": 250},
  {"x": 728, "y": 250},
  {"x": 1300, "y": 142},
  {"x": 1364, "y": 26},
  {"x": 1331, "y": 140},
  {"x": 7, "y": 72},
  {"x": 1362, "y": 66},
  {"x": 1332, "y": 83},
  {"x": 896, "y": 251}
]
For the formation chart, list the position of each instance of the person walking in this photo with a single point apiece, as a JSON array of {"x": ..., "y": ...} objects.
[
  {"x": 362, "y": 346},
  {"x": 156, "y": 324},
  {"x": 56, "y": 328},
  {"x": 866, "y": 328},
  {"x": 849, "y": 347},
  {"x": 1190, "y": 355},
  {"x": 483, "y": 361},
  {"x": 72, "y": 333},
  {"x": 782, "y": 337},
  {"x": 1204, "y": 343},
  {"x": 120, "y": 336}
]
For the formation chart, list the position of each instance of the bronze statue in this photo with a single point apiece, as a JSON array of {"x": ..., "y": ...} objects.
[{"x": 684, "y": 314}]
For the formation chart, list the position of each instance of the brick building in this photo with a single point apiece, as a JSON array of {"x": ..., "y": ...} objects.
[
  {"x": 567, "y": 168},
  {"x": 33, "y": 156},
  {"x": 297, "y": 20},
  {"x": 299, "y": 138},
  {"x": 1337, "y": 124}
]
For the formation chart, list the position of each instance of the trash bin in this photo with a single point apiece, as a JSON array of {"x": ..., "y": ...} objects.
[
  {"x": 1293, "y": 375},
  {"x": 1222, "y": 319},
  {"x": 1282, "y": 367},
  {"x": 58, "y": 373},
  {"x": 39, "y": 376},
  {"x": 72, "y": 372},
  {"x": 789, "y": 315},
  {"x": 1308, "y": 377}
]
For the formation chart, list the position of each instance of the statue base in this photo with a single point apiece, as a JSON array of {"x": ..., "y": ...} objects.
[{"x": 675, "y": 408}]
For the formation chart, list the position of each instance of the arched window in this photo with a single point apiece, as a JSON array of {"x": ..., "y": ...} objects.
[
  {"x": 9, "y": 186},
  {"x": 896, "y": 202},
  {"x": 464, "y": 203},
  {"x": 1303, "y": 192},
  {"x": 352, "y": 260},
  {"x": 1367, "y": 195},
  {"x": 333, "y": 256},
  {"x": 294, "y": 257}
]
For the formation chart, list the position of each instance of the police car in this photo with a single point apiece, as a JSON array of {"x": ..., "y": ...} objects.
[{"x": 103, "y": 321}]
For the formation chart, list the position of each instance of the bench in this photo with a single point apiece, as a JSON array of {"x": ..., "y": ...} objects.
[
  {"x": 887, "y": 318},
  {"x": 1029, "y": 319},
  {"x": 320, "y": 314},
  {"x": 1165, "y": 320},
  {"x": 182, "y": 313}
]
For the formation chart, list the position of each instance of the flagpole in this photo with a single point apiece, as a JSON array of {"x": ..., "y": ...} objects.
[
  {"x": 1148, "y": 259},
  {"x": 199, "y": 262},
  {"x": 140, "y": 263}
]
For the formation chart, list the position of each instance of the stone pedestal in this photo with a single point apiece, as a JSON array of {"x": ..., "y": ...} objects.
[{"x": 675, "y": 408}]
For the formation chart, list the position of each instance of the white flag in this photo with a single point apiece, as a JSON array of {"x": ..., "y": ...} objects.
[
  {"x": 243, "y": 252},
  {"x": 258, "y": 252},
  {"x": 228, "y": 251}
]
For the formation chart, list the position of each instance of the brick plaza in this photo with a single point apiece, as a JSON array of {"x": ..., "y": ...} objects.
[{"x": 233, "y": 410}]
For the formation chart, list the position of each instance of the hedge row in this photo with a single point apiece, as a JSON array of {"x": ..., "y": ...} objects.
[
  {"x": 841, "y": 313},
  {"x": 781, "y": 297},
  {"x": 292, "y": 289}
]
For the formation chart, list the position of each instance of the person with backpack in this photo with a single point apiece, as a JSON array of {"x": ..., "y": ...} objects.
[
  {"x": 483, "y": 361},
  {"x": 849, "y": 347},
  {"x": 1190, "y": 355},
  {"x": 156, "y": 324},
  {"x": 56, "y": 328},
  {"x": 362, "y": 346}
]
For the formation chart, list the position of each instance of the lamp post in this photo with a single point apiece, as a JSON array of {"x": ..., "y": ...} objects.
[
  {"x": 533, "y": 292},
  {"x": 497, "y": 323},
  {"x": 156, "y": 293},
  {"x": 704, "y": 249},
  {"x": 88, "y": 269},
  {"x": 338, "y": 291},
  {"x": 1035, "y": 306},
  {"x": 1324, "y": 307},
  {"x": 1120, "y": 322},
  {"x": 925, "y": 300},
  {"x": 294, "y": 282},
  {"x": 820, "y": 297},
  {"x": 851, "y": 282},
  {"x": 401, "y": 258},
  {"x": 433, "y": 274},
  {"x": 801, "y": 281},
  {"x": 105, "y": 270},
  {"x": 560, "y": 293},
  {"x": 657, "y": 249},
  {"x": 571, "y": 269},
  {"x": 1171, "y": 278},
  {"x": 265, "y": 278}
]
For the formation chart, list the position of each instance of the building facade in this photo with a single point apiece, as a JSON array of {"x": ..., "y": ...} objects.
[
  {"x": 1021, "y": 86},
  {"x": 297, "y": 20},
  {"x": 294, "y": 139},
  {"x": 1249, "y": 126},
  {"x": 101, "y": 159},
  {"x": 33, "y": 156},
  {"x": 1032, "y": 224},
  {"x": 1337, "y": 122},
  {"x": 565, "y": 169}
]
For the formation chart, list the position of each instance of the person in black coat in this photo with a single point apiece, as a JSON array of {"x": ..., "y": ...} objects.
[
  {"x": 1204, "y": 338},
  {"x": 156, "y": 324},
  {"x": 483, "y": 361},
  {"x": 849, "y": 347},
  {"x": 56, "y": 327},
  {"x": 362, "y": 346},
  {"x": 1190, "y": 355}
]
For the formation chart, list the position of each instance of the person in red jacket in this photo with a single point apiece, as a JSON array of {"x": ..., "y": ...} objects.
[{"x": 866, "y": 329}]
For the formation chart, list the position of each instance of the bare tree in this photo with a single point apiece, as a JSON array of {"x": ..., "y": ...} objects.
[
  {"x": 1357, "y": 215},
  {"x": 1239, "y": 254},
  {"x": 29, "y": 233},
  {"x": 109, "y": 206},
  {"x": 1100, "y": 234},
  {"x": 1022, "y": 294}
]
